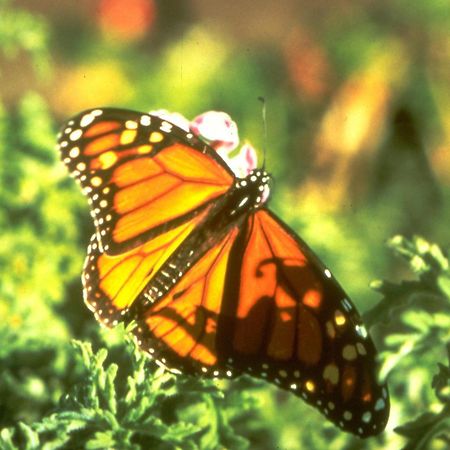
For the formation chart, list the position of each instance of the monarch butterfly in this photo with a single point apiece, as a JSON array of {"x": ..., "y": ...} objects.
[{"x": 217, "y": 284}]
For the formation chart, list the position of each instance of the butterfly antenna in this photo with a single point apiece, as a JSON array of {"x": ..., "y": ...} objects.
[{"x": 263, "y": 101}]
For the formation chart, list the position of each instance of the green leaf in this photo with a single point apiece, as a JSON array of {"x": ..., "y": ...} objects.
[
  {"x": 30, "y": 436},
  {"x": 418, "y": 320},
  {"x": 423, "y": 430},
  {"x": 101, "y": 440},
  {"x": 6, "y": 439},
  {"x": 110, "y": 390},
  {"x": 444, "y": 284}
]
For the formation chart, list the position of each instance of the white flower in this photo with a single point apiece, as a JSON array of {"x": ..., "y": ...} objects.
[
  {"x": 217, "y": 129},
  {"x": 221, "y": 133}
]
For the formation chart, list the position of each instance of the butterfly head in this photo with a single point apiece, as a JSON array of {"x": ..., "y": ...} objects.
[{"x": 254, "y": 190}]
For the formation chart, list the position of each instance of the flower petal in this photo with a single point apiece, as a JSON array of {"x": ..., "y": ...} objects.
[
  {"x": 242, "y": 163},
  {"x": 218, "y": 129}
]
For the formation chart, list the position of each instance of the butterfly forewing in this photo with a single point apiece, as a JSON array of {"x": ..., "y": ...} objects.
[{"x": 132, "y": 166}]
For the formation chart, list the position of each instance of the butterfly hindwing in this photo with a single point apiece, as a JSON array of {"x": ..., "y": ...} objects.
[
  {"x": 288, "y": 321},
  {"x": 181, "y": 329},
  {"x": 132, "y": 166}
]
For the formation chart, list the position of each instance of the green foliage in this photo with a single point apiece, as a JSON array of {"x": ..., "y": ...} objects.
[
  {"x": 54, "y": 395},
  {"x": 133, "y": 405},
  {"x": 23, "y": 31},
  {"x": 34, "y": 249},
  {"x": 418, "y": 311},
  {"x": 430, "y": 426}
]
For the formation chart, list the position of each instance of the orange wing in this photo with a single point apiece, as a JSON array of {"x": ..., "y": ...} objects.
[
  {"x": 260, "y": 302},
  {"x": 181, "y": 329},
  {"x": 142, "y": 175},
  {"x": 112, "y": 283},
  {"x": 285, "y": 319}
]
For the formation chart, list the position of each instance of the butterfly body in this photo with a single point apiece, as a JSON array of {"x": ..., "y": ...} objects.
[
  {"x": 244, "y": 197},
  {"x": 217, "y": 284}
]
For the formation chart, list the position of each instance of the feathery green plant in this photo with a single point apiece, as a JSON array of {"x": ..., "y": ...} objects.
[
  {"x": 134, "y": 405},
  {"x": 417, "y": 314}
]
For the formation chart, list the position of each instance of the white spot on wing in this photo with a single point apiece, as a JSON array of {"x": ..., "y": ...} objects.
[
  {"x": 74, "y": 152},
  {"x": 76, "y": 134},
  {"x": 86, "y": 120},
  {"x": 349, "y": 353},
  {"x": 347, "y": 415},
  {"x": 346, "y": 304},
  {"x": 131, "y": 124},
  {"x": 243, "y": 202},
  {"x": 145, "y": 121},
  {"x": 380, "y": 404},
  {"x": 361, "y": 330},
  {"x": 331, "y": 374},
  {"x": 166, "y": 126}
]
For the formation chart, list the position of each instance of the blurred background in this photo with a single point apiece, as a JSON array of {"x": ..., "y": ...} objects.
[{"x": 358, "y": 120}]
